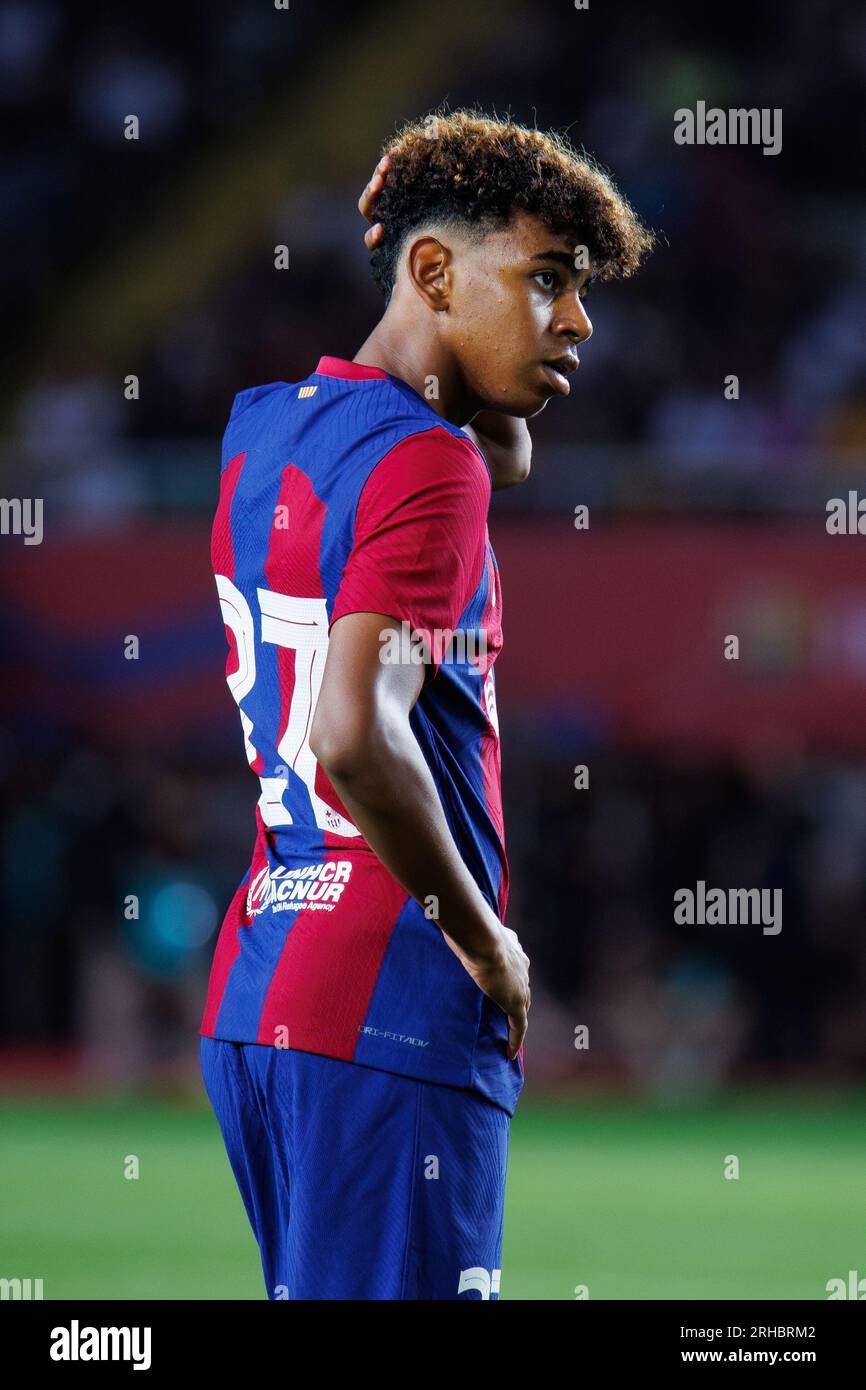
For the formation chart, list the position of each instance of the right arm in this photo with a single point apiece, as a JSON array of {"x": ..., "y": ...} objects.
[{"x": 362, "y": 738}]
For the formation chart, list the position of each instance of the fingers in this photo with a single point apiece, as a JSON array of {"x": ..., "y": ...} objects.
[
  {"x": 517, "y": 1025},
  {"x": 373, "y": 236},
  {"x": 367, "y": 200}
]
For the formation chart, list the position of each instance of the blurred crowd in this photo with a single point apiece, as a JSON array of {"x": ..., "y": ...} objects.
[
  {"x": 760, "y": 274},
  {"x": 115, "y": 872},
  {"x": 683, "y": 1008}
]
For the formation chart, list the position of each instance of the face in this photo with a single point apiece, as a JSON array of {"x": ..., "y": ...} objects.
[{"x": 515, "y": 306}]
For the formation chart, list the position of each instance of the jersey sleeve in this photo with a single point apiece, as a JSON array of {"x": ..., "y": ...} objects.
[{"x": 419, "y": 546}]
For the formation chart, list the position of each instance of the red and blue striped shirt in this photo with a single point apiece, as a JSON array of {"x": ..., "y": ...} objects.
[{"x": 348, "y": 493}]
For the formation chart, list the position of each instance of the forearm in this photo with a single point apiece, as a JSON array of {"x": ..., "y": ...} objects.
[{"x": 388, "y": 790}]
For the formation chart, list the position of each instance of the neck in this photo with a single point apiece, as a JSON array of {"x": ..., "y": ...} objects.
[{"x": 400, "y": 349}]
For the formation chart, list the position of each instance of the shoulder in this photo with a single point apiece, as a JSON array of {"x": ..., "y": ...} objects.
[
  {"x": 433, "y": 457},
  {"x": 252, "y": 394}
]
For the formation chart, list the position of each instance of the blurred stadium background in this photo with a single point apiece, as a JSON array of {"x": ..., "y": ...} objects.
[{"x": 154, "y": 258}]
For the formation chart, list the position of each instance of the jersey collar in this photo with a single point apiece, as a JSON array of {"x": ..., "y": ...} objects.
[{"x": 347, "y": 371}]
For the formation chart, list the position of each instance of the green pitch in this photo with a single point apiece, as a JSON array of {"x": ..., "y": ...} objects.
[{"x": 628, "y": 1199}]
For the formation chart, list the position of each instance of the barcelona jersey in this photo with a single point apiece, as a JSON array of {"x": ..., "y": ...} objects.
[{"x": 347, "y": 493}]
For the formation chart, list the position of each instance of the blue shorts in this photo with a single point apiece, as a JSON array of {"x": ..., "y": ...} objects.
[{"x": 361, "y": 1184}]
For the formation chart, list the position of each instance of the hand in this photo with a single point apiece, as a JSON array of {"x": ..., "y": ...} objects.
[
  {"x": 504, "y": 979},
  {"x": 368, "y": 200},
  {"x": 505, "y": 442}
]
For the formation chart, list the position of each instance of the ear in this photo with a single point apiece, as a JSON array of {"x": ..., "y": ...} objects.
[{"x": 428, "y": 263}]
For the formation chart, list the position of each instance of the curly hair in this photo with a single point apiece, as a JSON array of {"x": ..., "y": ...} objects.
[{"x": 468, "y": 168}]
